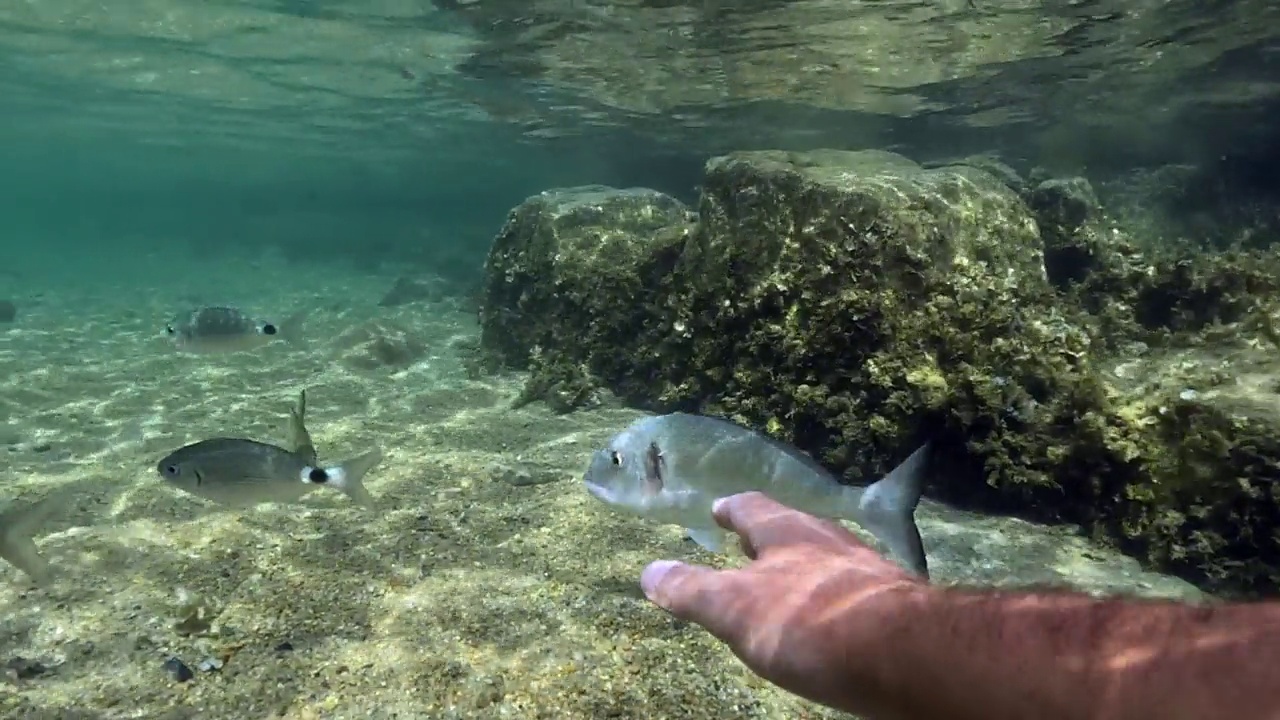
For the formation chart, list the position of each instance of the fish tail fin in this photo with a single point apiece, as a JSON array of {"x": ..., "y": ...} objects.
[
  {"x": 299, "y": 438},
  {"x": 290, "y": 329},
  {"x": 348, "y": 476},
  {"x": 18, "y": 525},
  {"x": 888, "y": 507}
]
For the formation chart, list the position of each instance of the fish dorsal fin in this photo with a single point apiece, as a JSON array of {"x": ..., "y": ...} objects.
[{"x": 299, "y": 439}]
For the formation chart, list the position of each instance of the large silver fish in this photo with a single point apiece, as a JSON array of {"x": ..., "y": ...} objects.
[
  {"x": 671, "y": 468},
  {"x": 225, "y": 329},
  {"x": 18, "y": 524},
  {"x": 241, "y": 473}
]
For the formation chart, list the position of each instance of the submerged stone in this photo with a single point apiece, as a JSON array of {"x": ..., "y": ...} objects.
[{"x": 572, "y": 264}]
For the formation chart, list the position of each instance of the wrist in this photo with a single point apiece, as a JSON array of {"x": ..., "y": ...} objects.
[
  {"x": 963, "y": 653},
  {"x": 925, "y": 651},
  {"x": 915, "y": 651}
]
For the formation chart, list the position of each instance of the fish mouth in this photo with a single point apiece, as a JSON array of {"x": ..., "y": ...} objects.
[{"x": 599, "y": 492}]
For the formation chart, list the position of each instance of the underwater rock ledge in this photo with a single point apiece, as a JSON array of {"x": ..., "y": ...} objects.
[{"x": 850, "y": 302}]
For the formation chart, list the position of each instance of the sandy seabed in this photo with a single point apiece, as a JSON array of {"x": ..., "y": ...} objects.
[{"x": 460, "y": 595}]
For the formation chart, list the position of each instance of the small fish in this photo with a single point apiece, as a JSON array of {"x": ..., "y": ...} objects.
[
  {"x": 225, "y": 329},
  {"x": 242, "y": 473},
  {"x": 671, "y": 468},
  {"x": 18, "y": 524}
]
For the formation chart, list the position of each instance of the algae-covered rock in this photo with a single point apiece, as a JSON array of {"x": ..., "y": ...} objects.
[
  {"x": 1064, "y": 203},
  {"x": 839, "y": 298},
  {"x": 1187, "y": 294},
  {"x": 854, "y": 302},
  {"x": 1062, "y": 208},
  {"x": 565, "y": 386},
  {"x": 577, "y": 267},
  {"x": 1205, "y": 502}
]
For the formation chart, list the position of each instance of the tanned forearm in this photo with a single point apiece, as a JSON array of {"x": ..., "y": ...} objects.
[{"x": 954, "y": 654}]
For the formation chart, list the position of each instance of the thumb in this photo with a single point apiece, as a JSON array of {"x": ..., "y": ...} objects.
[{"x": 686, "y": 591}]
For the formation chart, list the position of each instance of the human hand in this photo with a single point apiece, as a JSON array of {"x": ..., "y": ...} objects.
[{"x": 805, "y": 613}]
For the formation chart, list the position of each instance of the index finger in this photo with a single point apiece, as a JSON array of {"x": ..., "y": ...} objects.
[
  {"x": 710, "y": 598},
  {"x": 763, "y": 522}
]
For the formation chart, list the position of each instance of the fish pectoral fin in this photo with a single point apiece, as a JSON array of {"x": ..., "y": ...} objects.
[{"x": 709, "y": 538}]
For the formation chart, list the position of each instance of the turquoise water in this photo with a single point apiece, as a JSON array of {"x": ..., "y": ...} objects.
[
  {"x": 169, "y": 154},
  {"x": 313, "y": 123}
]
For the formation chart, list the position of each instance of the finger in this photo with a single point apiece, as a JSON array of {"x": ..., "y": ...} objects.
[
  {"x": 762, "y": 522},
  {"x": 694, "y": 593},
  {"x": 675, "y": 586}
]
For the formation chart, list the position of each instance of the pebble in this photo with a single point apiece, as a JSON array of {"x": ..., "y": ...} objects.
[
  {"x": 178, "y": 670},
  {"x": 209, "y": 665}
]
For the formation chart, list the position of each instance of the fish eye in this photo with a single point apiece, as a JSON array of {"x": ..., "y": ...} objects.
[
  {"x": 168, "y": 329},
  {"x": 269, "y": 329},
  {"x": 615, "y": 457},
  {"x": 171, "y": 470}
]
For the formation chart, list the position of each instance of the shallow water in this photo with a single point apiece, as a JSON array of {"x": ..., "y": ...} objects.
[
  {"x": 278, "y": 155},
  {"x": 460, "y": 595}
]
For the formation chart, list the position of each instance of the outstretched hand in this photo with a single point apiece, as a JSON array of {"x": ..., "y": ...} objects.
[{"x": 813, "y": 597}]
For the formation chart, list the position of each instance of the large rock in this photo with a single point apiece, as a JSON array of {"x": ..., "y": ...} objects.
[
  {"x": 571, "y": 269},
  {"x": 840, "y": 298},
  {"x": 854, "y": 302}
]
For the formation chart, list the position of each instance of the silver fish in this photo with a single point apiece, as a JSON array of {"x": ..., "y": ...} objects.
[
  {"x": 18, "y": 524},
  {"x": 225, "y": 329},
  {"x": 242, "y": 473},
  {"x": 671, "y": 468}
]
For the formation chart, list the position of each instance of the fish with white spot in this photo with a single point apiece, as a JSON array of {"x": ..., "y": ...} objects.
[
  {"x": 219, "y": 329},
  {"x": 241, "y": 473},
  {"x": 671, "y": 468}
]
